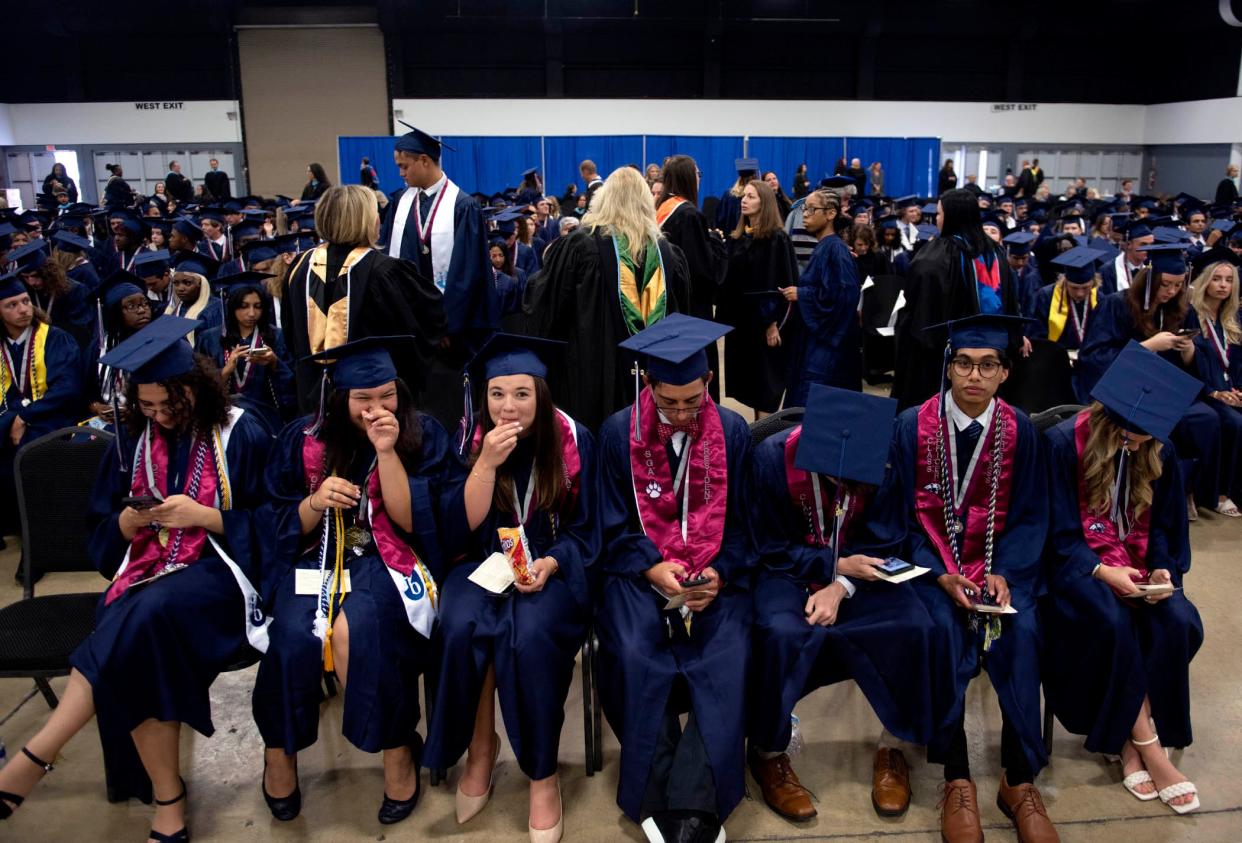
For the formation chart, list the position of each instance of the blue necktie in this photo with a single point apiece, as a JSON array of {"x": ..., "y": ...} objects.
[
  {"x": 966, "y": 441},
  {"x": 411, "y": 243}
]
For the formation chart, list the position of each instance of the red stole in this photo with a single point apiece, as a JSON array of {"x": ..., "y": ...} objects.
[
  {"x": 929, "y": 497},
  {"x": 704, "y": 490},
  {"x": 1099, "y": 531},
  {"x": 571, "y": 461},
  {"x": 148, "y": 555}
]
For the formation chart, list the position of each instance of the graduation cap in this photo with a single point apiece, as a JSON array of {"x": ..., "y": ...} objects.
[
  {"x": 248, "y": 280},
  {"x": 117, "y": 287},
  {"x": 831, "y": 182},
  {"x": 530, "y": 172},
  {"x": 246, "y": 228},
  {"x": 1222, "y": 225},
  {"x": 189, "y": 229},
  {"x": 981, "y": 330},
  {"x": 1216, "y": 254},
  {"x": 504, "y": 354},
  {"x": 746, "y": 165},
  {"x": 196, "y": 264},
  {"x": 68, "y": 241},
  {"x": 304, "y": 216},
  {"x": 149, "y": 263},
  {"x": 361, "y": 364},
  {"x": 1164, "y": 259},
  {"x": 985, "y": 198},
  {"x": 1168, "y": 234},
  {"x": 506, "y": 220},
  {"x": 887, "y": 222},
  {"x": 214, "y": 213},
  {"x": 904, "y": 201},
  {"x": 992, "y": 220},
  {"x": 930, "y": 209},
  {"x": 156, "y": 353},
  {"x": 1136, "y": 228},
  {"x": 287, "y": 243},
  {"x": 31, "y": 257},
  {"x": 1019, "y": 243},
  {"x": 232, "y": 206},
  {"x": 927, "y": 231},
  {"x": 1144, "y": 393},
  {"x": 257, "y": 251},
  {"x": 846, "y": 434},
  {"x": 131, "y": 222},
  {"x": 418, "y": 142},
  {"x": 1078, "y": 264},
  {"x": 11, "y": 285}
]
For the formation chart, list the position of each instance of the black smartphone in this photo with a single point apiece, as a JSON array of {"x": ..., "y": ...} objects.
[
  {"x": 893, "y": 566},
  {"x": 1187, "y": 332},
  {"x": 140, "y": 501},
  {"x": 697, "y": 582}
]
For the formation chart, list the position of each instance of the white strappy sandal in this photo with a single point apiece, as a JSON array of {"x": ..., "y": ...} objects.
[
  {"x": 1138, "y": 777},
  {"x": 1181, "y": 789}
]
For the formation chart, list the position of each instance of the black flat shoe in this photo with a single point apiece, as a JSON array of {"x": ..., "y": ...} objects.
[
  {"x": 180, "y": 836},
  {"x": 394, "y": 810},
  {"x": 9, "y": 802},
  {"x": 284, "y": 808}
]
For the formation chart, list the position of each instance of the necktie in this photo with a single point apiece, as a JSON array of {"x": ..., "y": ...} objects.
[
  {"x": 966, "y": 441},
  {"x": 424, "y": 204}
]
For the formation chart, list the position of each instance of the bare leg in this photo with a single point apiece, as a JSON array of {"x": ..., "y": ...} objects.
[
  {"x": 340, "y": 646},
  {"x": 760, "y": 414},
  {"x": 480, "y": 757},
  {"x": 76, "y": 708},
  {"x": 156, "y": 742},
  {"x": 280, "y": 776},
  {"x": 1162, "y": 771},
  {"x": 545, "y": 802}
]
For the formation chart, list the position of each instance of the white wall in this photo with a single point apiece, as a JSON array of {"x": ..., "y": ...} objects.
[
  {"x": 1200, "y": 121},
  {"x": 94, "y": 123},
  {"x": 6, "y": 126}
]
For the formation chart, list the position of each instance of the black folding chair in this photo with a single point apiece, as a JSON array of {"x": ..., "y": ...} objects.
[
  {"x": 1045, "y": 379},
  {"x": 54, "y": 475},
  {"x": 878, "y": 344},
  {"x": 592, "y": 719},
  {"x": 775, "y": 423}
]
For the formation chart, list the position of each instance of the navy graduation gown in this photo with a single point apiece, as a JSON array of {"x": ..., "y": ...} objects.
[
  {"x": 59, "y": 406},
  {"x": 1040, "y": 309},
  {"x": 530, "y": 639},
  {"x": 85, "y": 274},
  {"x": 883, "y": 638},
  {"x": 1217, "y": 377},
  {"x": 157, "y": 648},
  {"x": 212, "y": 317},
  {"x": 1013, "y": 664},
  {"x": 1111, "y": 652},
  {"x": 70, "y": 311},
  {"x": 526, "y": 259},
  {"x": 640, "y": 664},
  {"x": 386, "y": 654},
  {"x": 827, "y": 349},
  {"x": 269, "y": 392}
]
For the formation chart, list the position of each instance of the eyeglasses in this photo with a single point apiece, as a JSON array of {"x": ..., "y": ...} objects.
[
  {"x": 136, "y": 307},
  {"x": 963, "y": 367},
  {"x": 809, "y": 209},
  {"x": 671, "y": 409}
]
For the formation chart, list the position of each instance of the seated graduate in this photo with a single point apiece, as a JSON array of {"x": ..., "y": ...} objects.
[
  {"x": 1154, "y": 311},
  {"x": 40, "y": 384},
  {"x": 977, "y": 515},
  {"x": 250, "y": 350},
  {"x": 75, "y": 250},
  {"x": 171, "y": 515},
  {"x": 1121, "y": 675},
  {"x": 532, "y": 493},
  {"x": 155, "y": 272},
  {"x": 191, "y": 292},
  {"x": 1026, "y": 277},
  {"x": 1062, "y": 311},
  {"x": 673, "y": 468},
  {"x": 53, "y": 292},
  {"x": 364, "y": 511},
  {"x": 821, "y": 615},
  {"x": 122, "y": 309},
  {"x": 1218, "y": 355}
]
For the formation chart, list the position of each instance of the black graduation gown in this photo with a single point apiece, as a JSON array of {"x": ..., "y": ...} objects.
[
  {"x": 706, "y": 261},
  {"x": 574, "y": 298}
]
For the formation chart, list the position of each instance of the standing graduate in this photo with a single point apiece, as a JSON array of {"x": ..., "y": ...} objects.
[
  {"x": 76, "y": 249},
  {"x": 191, "y": 293},
  {"x": 1218, "y": 355},
  {"x": 439, "y": 229},
  {"x": 602, "y": 284},
  {"x": 826, "y": 346},
  {"x": 345, "y": 289},
  {"x": 959, "y": 273},
  {"x": 122, "y": 309},
  {"x": 1121, "y": 676},
  {"x": 673, "y": 470},
  {"x": 181, "y": 607},
  {"x": 821, "y": 613},
  {"x": 976, "y": 512},
  {"x": 532, "y": 474},
  {"x": 365, "y": 503}
]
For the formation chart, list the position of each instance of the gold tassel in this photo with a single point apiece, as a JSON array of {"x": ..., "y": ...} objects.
[{"x": 334, "y": 595}]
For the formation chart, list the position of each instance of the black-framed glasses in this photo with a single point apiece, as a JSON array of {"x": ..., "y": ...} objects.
[
  {"x": 136, "y": 307},
  {"x": 962, "y": 367},
  {"x": 669, "y": 409},
  {"x": 807, "y": 209}
]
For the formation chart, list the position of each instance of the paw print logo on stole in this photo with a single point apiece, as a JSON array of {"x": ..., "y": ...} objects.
[
  {"x": 934, "y": 488},
  {"x": 654, "y": 490},
  {"x": 256, "y": 611},
  {"x": 1097, "y": 527}
]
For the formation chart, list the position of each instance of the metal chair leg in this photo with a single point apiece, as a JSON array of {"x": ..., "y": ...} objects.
[
  {"x": 597, "y": 731},
  {"x": 588, "y": 720},
  {"x": 1047, "y": 726},
  {"x": 48, "y": 694}
]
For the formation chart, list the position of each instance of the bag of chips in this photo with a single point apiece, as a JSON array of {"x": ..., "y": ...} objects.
[{"x": 513, "y": 544}]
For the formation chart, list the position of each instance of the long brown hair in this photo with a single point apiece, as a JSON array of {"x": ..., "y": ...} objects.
[
  {"x": 768, "y": 219},
  {"x": 549, "y": 463},
  {"x": 1174, "y": 309},
  {"x": 55, "y": 281},
  {"x": 343, "y": 439},
  {"x": 1098, "y": 471}
]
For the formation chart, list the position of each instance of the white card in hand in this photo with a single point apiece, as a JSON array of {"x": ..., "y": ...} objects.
[
  {"x": 307, "y": 582},
  {"x": 916, "y": 571},
  {"x": 494, "y": 574}
]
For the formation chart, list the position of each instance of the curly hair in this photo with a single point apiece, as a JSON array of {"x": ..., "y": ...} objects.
[
  {"x": 1098, "y": 472},
  {"x": 210, "y": 405}
]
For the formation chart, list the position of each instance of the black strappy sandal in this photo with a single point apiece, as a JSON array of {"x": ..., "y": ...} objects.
[
  {"x": 182, "y": 836},
  {"x": 9, "y": 802}
]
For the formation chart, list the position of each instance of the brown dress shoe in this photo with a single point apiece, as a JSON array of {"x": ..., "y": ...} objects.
[
  {"x": 959, "y": 813},
  {"x": 890, "y": 783},
  {"x": 1025, "y": 807},
  {"x": 781, "y": 789}
]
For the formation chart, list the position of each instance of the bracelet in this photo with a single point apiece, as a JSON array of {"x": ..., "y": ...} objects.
[
  {"x": 482, "y": 479},
  {"x": 310, "y": 501},
  {"x": 1096, "y": 569}
]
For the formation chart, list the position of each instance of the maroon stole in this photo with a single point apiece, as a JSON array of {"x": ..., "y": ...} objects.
[
  {"x": 693, "y": 540},
  {"x": 1101, "y": 533},
  {"x": 571, "y": 462},
  {"x": 929, "y": 497},
  {"x": 802, "y": 494}
]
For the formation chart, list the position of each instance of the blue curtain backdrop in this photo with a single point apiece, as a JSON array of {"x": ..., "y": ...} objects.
[
  {"x": 909, "y": 163},
  {"x": 489, "y": 164},
  {"x": 562, "y": 155},
  {"x": 714, "y": 155},
  {"x": 350, "y": 152},
  {"x": 783, "y": 155}
]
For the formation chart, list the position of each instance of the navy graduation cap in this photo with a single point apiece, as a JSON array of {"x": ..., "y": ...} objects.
[
  {"x": 418, "y": 142},
  {"x": 68, "y": 241},
  {"x": 834, "y": 181},
  {"x": 195, "y": 263},
  {"x": 149, "y": 263},
  {"x": 1168, "y": 258},
  {"x": 257, "y": 251},
  {"x": 981, "y": 330},
  {"x": 1078, "y": 264},
  {"x": 846, "y": 434},
  {"x": 746, "y": 165},
  {"x": 530, "y": 172},
  {"x": 1144, "y": 393},
  {"x": 362, "y": 364},
  {"x": 157, "y": 352},
  {"x": 31, "y": 257},
  {"x": 188, "y": 228},
  {"x": 117, "y": 287},
  {"x": 904, "y": 201},
  {"x": 1019, "y": 243},
  {"x": 229, "y": 284},
  {"x": 11, "y": 285}
]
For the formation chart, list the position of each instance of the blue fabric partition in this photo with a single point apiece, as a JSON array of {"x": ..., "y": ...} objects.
[
  {"x": 562, "y": 155},
  {"x": 350, "y": 152},
  {"x": 909, "y": 163},
  {"x": 783, "y": 155},
  {"x": 489, "y": 164},
  {"x": 714, "y": 155}
]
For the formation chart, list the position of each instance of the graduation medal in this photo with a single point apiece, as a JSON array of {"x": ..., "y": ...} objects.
[
  {"x": 356, "y": 539},
  {"x": 162, "y": 535}
]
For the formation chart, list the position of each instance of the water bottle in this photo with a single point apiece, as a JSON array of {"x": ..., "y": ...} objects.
[{"x": 795, "y": 737}]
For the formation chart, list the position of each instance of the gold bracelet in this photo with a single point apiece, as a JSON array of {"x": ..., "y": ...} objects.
[{"x": 482, "y": 479}]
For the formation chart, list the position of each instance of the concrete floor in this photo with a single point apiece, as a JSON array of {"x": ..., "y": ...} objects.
[{"x": 342, "y": 786}]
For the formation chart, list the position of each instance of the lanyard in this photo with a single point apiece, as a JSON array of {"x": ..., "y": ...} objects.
[
  {"x": 522, "y": 507},
  {"x": 838, "y": 515},
  {"x": 247, "y": 367},
  {"x": 424, "y": 232},
  {"x": 1080, "y": 322},
  {"x": 681, "y": 483},
  {"x": 1121, "y": 494},
  {"x": 18, "y": 378},
  {"x": 1218, "y": 345}
]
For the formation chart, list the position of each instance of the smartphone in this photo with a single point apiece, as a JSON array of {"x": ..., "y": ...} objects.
[
  {"x": 1187, "y": 332},
  {"x": 140, "y": 501},
  {"x": 893, "y": 566},
  {"x": 697, "y": 582},
  {"x": 255, "y": 352}
]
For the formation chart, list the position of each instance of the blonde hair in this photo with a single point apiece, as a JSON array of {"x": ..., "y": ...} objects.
[
  {"x": 623, "y": 207},
  {"x": 347, "y": 215},
  {"x": 1228, "y": 309},
  {"x": 1098, "y": 471}
]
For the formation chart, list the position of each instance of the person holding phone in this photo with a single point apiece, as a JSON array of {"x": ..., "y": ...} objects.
[
  {"x": 673, "y": 471},
  {"x": 531, "y": 467},
  {"x": 364, "y": 513},
  {"x": 181, "y": 607},
  {"x": 821, "y": 614},
  {"x": 1121, "y": 677},
  {"x": 959, "y": 458}
]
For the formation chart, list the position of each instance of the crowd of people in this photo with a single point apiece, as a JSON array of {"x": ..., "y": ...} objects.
[{"x": 454, "y": 437}]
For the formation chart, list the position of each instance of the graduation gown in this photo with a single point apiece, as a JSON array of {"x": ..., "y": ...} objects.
[
  {"x": 85, "y": 274},
  {"x": 268, "y": 392},
  {"x": 1013, "y": 664},
  {"x": 526, "y": 259},
  {"x": 755, "y": 373},
  {"x": 937, "y": 291},
  {"x": 58, "y": 407},
  {"x": 1198, "y": 435},
  {"x": 156, "y": 649},
  {"x": 827, "y": 348},
  {"x": 1219, "y": 377},
  {"x": 212, "y": 317},
  {"x": 706, "y": 262},
  {"x": 531, "y": 640},
  {"x": 1111, "y": 652},
  {"x": 639, "y": 664},
  {"x": 1042, "y": 308},
  {"x": 883, "y": 638},
  {"x": 574, "y": 298},
  {"x": 386, "y": 654}
]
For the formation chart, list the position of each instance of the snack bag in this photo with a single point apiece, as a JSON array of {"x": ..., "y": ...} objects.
[{"x": 513, "y": 544}]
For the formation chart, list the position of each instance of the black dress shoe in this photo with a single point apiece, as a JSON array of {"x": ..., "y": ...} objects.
[
  {"x": 286, "y": 807},
  {"x": 696, "y": 827},
  {"x": 395, "y": 810}
]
